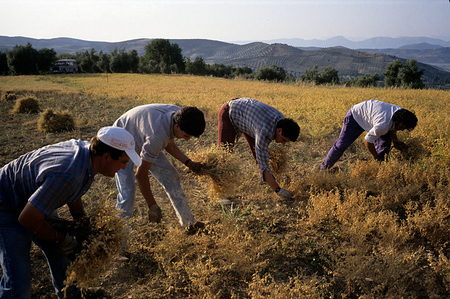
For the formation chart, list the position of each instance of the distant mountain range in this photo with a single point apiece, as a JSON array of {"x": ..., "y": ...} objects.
[
  {"x": 371, "y": 43},
  {"x": 294, "y": 55}
]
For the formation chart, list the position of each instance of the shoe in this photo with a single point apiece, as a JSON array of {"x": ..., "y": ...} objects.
[
  {"x": 225, "y": 201},
  {"x": 122, "y": 258},
  {"x": 94, "y": 293},
  {"x": 194, "y": 228}
]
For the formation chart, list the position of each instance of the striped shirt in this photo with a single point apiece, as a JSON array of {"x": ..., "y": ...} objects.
[
  {"x": 47, "y": 178},
  {"x": 259, "y": 121}
]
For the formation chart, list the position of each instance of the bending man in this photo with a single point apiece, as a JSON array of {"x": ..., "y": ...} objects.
[
  {"x": 34, "y": 186},
  {"x": 260, "y": 124},
  {"x": 380, "y": 120},
  {"x": 154, "y": 127}
]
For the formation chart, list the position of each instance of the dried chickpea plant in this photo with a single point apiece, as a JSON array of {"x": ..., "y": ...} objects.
[
  {"x": 220, "y": 169},
  {"x": 363, "y": 230},
  {"x": 102, "y": 246}
]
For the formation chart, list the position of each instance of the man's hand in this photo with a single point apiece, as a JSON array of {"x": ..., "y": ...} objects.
[
  {"x": 284, "y": 193},
  {"x": 68, "y": 245},
  {"x": 83, "y": 220},
  {"x": 195, "y": 166},
  {"x": 401, "y": 146},
  {"x": 154, "y": 213}
]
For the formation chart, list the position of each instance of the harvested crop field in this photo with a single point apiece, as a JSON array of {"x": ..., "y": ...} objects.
[{"x": 364, "y": 230}]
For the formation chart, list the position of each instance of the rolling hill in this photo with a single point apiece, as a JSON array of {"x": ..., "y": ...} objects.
[{"x": 434, "y": 60}]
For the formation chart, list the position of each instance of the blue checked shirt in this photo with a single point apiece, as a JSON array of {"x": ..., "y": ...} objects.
[
  {"x": 257, "y": 120},
  {"x": 47, "y": 178}
]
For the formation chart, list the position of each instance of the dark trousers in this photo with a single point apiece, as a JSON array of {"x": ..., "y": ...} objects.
[
  {"x": 349, "y": 133},
  {"x": 226, "y": 134}
]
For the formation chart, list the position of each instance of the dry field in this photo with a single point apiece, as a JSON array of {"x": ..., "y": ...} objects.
[{"x": 368, "y": 230}]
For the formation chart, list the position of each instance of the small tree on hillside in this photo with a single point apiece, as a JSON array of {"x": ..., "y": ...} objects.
[
  {"x": 367, "y": 80},
  {"x": 162, "y": 57},
  {"x": 329, "y": 75},
  {"x": 196, "y": 67},
  {"x": 410, "y": 76},
  {"x": 273, "y": 73},
  {"x": 219, "y": 70},
  {"x": 242, "y": 71},
  {"x": 391, "y": 78},
  {"x": 311, "y": 75},
  {"x": 406, "y": 76}
]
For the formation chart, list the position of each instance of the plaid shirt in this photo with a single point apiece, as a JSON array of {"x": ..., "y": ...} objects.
[
  {"x": 47, "y": 178},
  {"x": 259, "y": 121}
]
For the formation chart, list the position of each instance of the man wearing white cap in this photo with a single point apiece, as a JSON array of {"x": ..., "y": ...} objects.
[
  {"x": 155, "y": 127},
  {"x": 35, "y": 185}
]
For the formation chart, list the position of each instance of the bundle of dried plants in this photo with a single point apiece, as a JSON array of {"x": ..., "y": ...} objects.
[
  {"x": 220, "y": 168},
  {"x": 103, "y": 244}
]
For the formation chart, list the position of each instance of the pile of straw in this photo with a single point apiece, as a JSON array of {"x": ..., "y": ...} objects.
[
  {"x": 27, "y": 105},
  {"x": 102, "y": 246},
  {"x": 220, "y": 168},
  {"x": 8, "y": 96},
  {"x": 52, "y": 122}
]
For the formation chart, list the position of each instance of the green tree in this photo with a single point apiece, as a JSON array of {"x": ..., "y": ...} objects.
[
  {"x": 405, "y": 76},
  {"x": 329, "y": 75},
  {"x": 4, "y": 70},
  {"x": 367, "y": 80},
  {"x": 311, "y": 75},
  {"x": 66, "y": 56},
  {"x": 88, "y": 61},
  {"x": 391, "y": 74},
  {"x": 410, "y": 76},
  {"x": 219, "y": 70},
  {"x": 272, "y": 73},
  {"x": 134, "y": 61},
  {"x": 196, "y": 67},
  {"x": 242, "y": 71},
  {"x": 22, "y": 60},
  {"x": 120, "y": 61},
  {"x": 162, "y": 57},
  {"x": 45, "y": 59},
  {"x": 103, "y": 62}
]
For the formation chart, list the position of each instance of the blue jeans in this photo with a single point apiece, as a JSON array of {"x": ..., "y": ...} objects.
[
  {"x": 15, "y": 245},
  {"x": 167, "y": 175},
  {"x": 349, "y": 133}
]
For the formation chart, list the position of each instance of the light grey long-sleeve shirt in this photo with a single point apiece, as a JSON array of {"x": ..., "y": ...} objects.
[{"x": 151, "y": 126}]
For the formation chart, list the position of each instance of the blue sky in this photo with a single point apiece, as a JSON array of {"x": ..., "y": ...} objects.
[{"x": 228, "y": 20}]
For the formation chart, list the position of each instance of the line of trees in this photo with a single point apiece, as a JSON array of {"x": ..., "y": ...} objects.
[{"x": 163, "y": 57}]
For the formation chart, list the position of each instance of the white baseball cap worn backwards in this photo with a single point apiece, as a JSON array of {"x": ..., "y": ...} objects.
[{"x": 120, "y": 139}]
